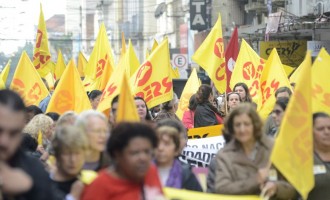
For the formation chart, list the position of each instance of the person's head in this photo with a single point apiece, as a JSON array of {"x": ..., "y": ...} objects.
[
  {"x": 68, "y": 118},
  {"x": 94, "y": 124},
  {"x": 283, "y": 92},
  {"x": 192, "y": 103},
  {"x": 293, "y": 85},
  {"x": 179, "y": 127},
  {"x": 142, "y": 109},
  {"x": 204, "y": 94},
  {"x": 114, "y": 107},
  {"x": 69, "y": 147},
  {"x": 12, "y": 122},
  {"x": 155, "y": 111},
  {"x": 233, "y": 99},
  {"x": 131, "y": 146},
  {"x": 32, "y": 111},
  {"x": 243, "y": 124},
  {"x": 168, "y": 145},
  {"x": 171, "y": 106},
  {"x": 321, "y": 130},
  {"x": 279, "y": 109},
  {"x": 243, "y": 90},
  {"x": 55, "y": 116},
  {"x": 41, "y": 123},
  {"x": 95, "y": 97},
  {"x": 29, "y": 144}
]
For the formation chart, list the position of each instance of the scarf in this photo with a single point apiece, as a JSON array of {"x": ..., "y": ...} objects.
[{"x": 174, "y": 179}]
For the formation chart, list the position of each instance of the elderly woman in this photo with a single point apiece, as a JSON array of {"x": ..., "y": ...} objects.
[
  {"x": 168, "y": 110},
  {"x": 95, "y": 126},
  {"x": 133, "y": 176}
]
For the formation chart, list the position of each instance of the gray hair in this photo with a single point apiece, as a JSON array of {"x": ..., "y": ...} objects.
[{"x": 82, "y": 119}]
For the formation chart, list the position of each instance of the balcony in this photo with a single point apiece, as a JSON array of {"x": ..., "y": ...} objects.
[{"x": 256, "y": 6}]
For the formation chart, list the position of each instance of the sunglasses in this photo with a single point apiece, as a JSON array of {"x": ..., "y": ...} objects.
[{"x": 277, "y": 112}]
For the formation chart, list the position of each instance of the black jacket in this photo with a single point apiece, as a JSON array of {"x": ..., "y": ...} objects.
[
  {"x": 204, "y": 116},
  {"x": 189, "y": 180}
]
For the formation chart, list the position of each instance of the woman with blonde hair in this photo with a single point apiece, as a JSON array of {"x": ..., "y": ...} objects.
[{"x": 68, "y": 118}]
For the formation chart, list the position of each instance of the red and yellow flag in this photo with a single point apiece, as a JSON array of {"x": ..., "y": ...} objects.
[
  {"x": 41, "y": 54},
  {"x": 293, "y": 150},
  {"x": 5, "y": 72},
  {"x": 189, "y": 89},
  {"x": 272, "y": 77},
  {"x": 248, "y": 69},
  {"x": 321, "y": 82},
  {"x": 211, "y": 57},
  {"x": 69, "y": 94},
  {"x": 60, "y": 66},
  {"x": 153, "y": 81},
  {"x": 27, "y": 82},
  {"x": 82, "y": 63},
  {"x": 126, "y": 106},
  {"x": 105, "y": 76}
]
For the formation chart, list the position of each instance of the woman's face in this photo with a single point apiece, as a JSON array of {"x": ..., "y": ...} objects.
[
  {"x": 134, "y": 160},
  {"x": 71, "y": 162},
  {"x": 95, "y": 102},
  {"x": 233, "y": 101},
  {"x": 141, "y": 109},
  {"x": 240, "y": 90},
  {"x": 98, "y": 133},
  {"x": 278, "y": 114},
  {"x": 166, "y": 151},
  {"x": 243, "y": 128},
  {"x": 321, "y": 132}
]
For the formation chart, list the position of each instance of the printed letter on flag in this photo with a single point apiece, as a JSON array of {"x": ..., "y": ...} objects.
[
  {"x": 211, "y": 57},
  {"x": 69, "y": 94},
  {"x": 293, "y": 150},
  {"x": 27, "y": 82},
  {"x": 189, "y": 89},
  {"x": 153, "y": 81}
]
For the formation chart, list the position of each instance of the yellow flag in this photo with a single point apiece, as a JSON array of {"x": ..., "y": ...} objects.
[
  {"x": 69, "y": 94},
  {"x": 2, "y": 84},
  {"x": 50, "y": 80},
  {"x": 175, "y": 72},
  {"x": 105, "y": 76},
  {"x": 27, "y": 82},
  {"x": 82, "y": 63},
  {"x": 211, "y": 57},
  {"x": 248, "y": 69},
  {"x": 153, "y": 81},
  {"x": 321, "y": 82},
  {"x": 126, "y": 106},
  {"x": 41, "y": 54},
  {"x": 132, "y": 60},
  {"x": 189, "y": 89},
  {"x": 294, "y": 76},
  {"x": 154, "y": 45},
  {"x": 293, "y": 150},
  {"x": 39, "y": 137},
  {"x": 147, "y": 53},
  {"x": 123, "y": 44},
  {"x": 5, "y": 72},
  {"x": 98, "y": 58},
  {"x": 60, "y": 66},
  {"x": 288, "y": 69},
  {"x": 272, "y": 77}
]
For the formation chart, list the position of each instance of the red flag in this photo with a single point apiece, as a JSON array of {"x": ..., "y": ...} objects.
[{"x": 231, "y": 54}]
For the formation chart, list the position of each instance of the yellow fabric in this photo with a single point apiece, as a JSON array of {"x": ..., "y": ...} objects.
[
  {"x": 126, "y": 106},
  {"x": 211, "y": 57},
  {"x": 87, "y": 176},
  {"x": 321, "y": 82},
  {"x": 82, "y": 63},
  {"x": 105, "y": 76},
  {"x": 189, "y": 89},
  {"x": 69, "y": 94},
  {"x": 273, "y": 77},
  {"x": 175, "y": 72},
  {"x": 50, "y": 80},
  {"x": 154, "y": 46},
  {"x": 293, "y": 78},
  {"x": 248, "y": 69},
  {"x": 2, "y": 84},
  {"x": 205, "y": 132},
  {"x": 39, "y": 138},
  {"x": 152, "y": 81},
  {"x": 172, "y": 193},
  {"x": 60, "y": 66},
  {"x": 41, "y": 54},
  {"x": 5, "y": 72},
  {"x": 123, "y": 45},
  {"x": 132, "y": 60},
  {"x": 293, "y": 150},
  {"x": 27, "y": 82},
  {"x": 288, "y": 69}
]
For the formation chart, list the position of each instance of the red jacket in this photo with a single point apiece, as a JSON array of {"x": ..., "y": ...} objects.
[{"x": 188, "y": 119}]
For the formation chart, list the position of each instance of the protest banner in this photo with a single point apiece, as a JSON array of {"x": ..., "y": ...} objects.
[{"x": 204, "y": 132}]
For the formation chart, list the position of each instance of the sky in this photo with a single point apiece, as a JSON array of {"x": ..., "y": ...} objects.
[{"x": 18, "y": 19}]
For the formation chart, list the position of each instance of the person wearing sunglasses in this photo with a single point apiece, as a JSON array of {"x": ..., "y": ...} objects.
[{"x": 278, "y": 114}]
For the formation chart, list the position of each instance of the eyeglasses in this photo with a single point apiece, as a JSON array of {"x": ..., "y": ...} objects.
[{"x": 277, "y": 112}]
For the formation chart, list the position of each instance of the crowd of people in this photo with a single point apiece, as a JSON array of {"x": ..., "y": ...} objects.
[{"x": 91, "y": 156}]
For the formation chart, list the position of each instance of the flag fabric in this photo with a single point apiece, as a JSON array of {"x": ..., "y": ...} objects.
[
  {"x": 272, "y": 77},
  {"x": 41, "y": 54},
  {"x": 248, "y": 69},
  {"x": 154, "y": 46},
  {"x": 123, "y": 44},
  {"x": 50, "y": 81},
  {"x": 97, "y": 61},
  {"x": 296, "y": 73},
  {"x": 106, "y": 75},
  {"x": 69, "y": 94},
  {"x": 288, "y": 69},
  {"x": 39, "y": 137},
  {"x": 321, "y": 82},
  {"x": 60, "y": 66},
  {"x": 292, "y": 154},
  {"x": 126, "y": 106},
  {"x": 133, "y": 61},
  {"x": 231, "y": 54},
  {"x": 174, "y": 72},
  {"x": 153, "y": 81},
  {"x": 27, "y": 82},
  {"x": 211, "y": 57},
  {"x": 189, "y": 89},
  {"x": 5, "y": 72},
  {"x": 82, "y": 63}
]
